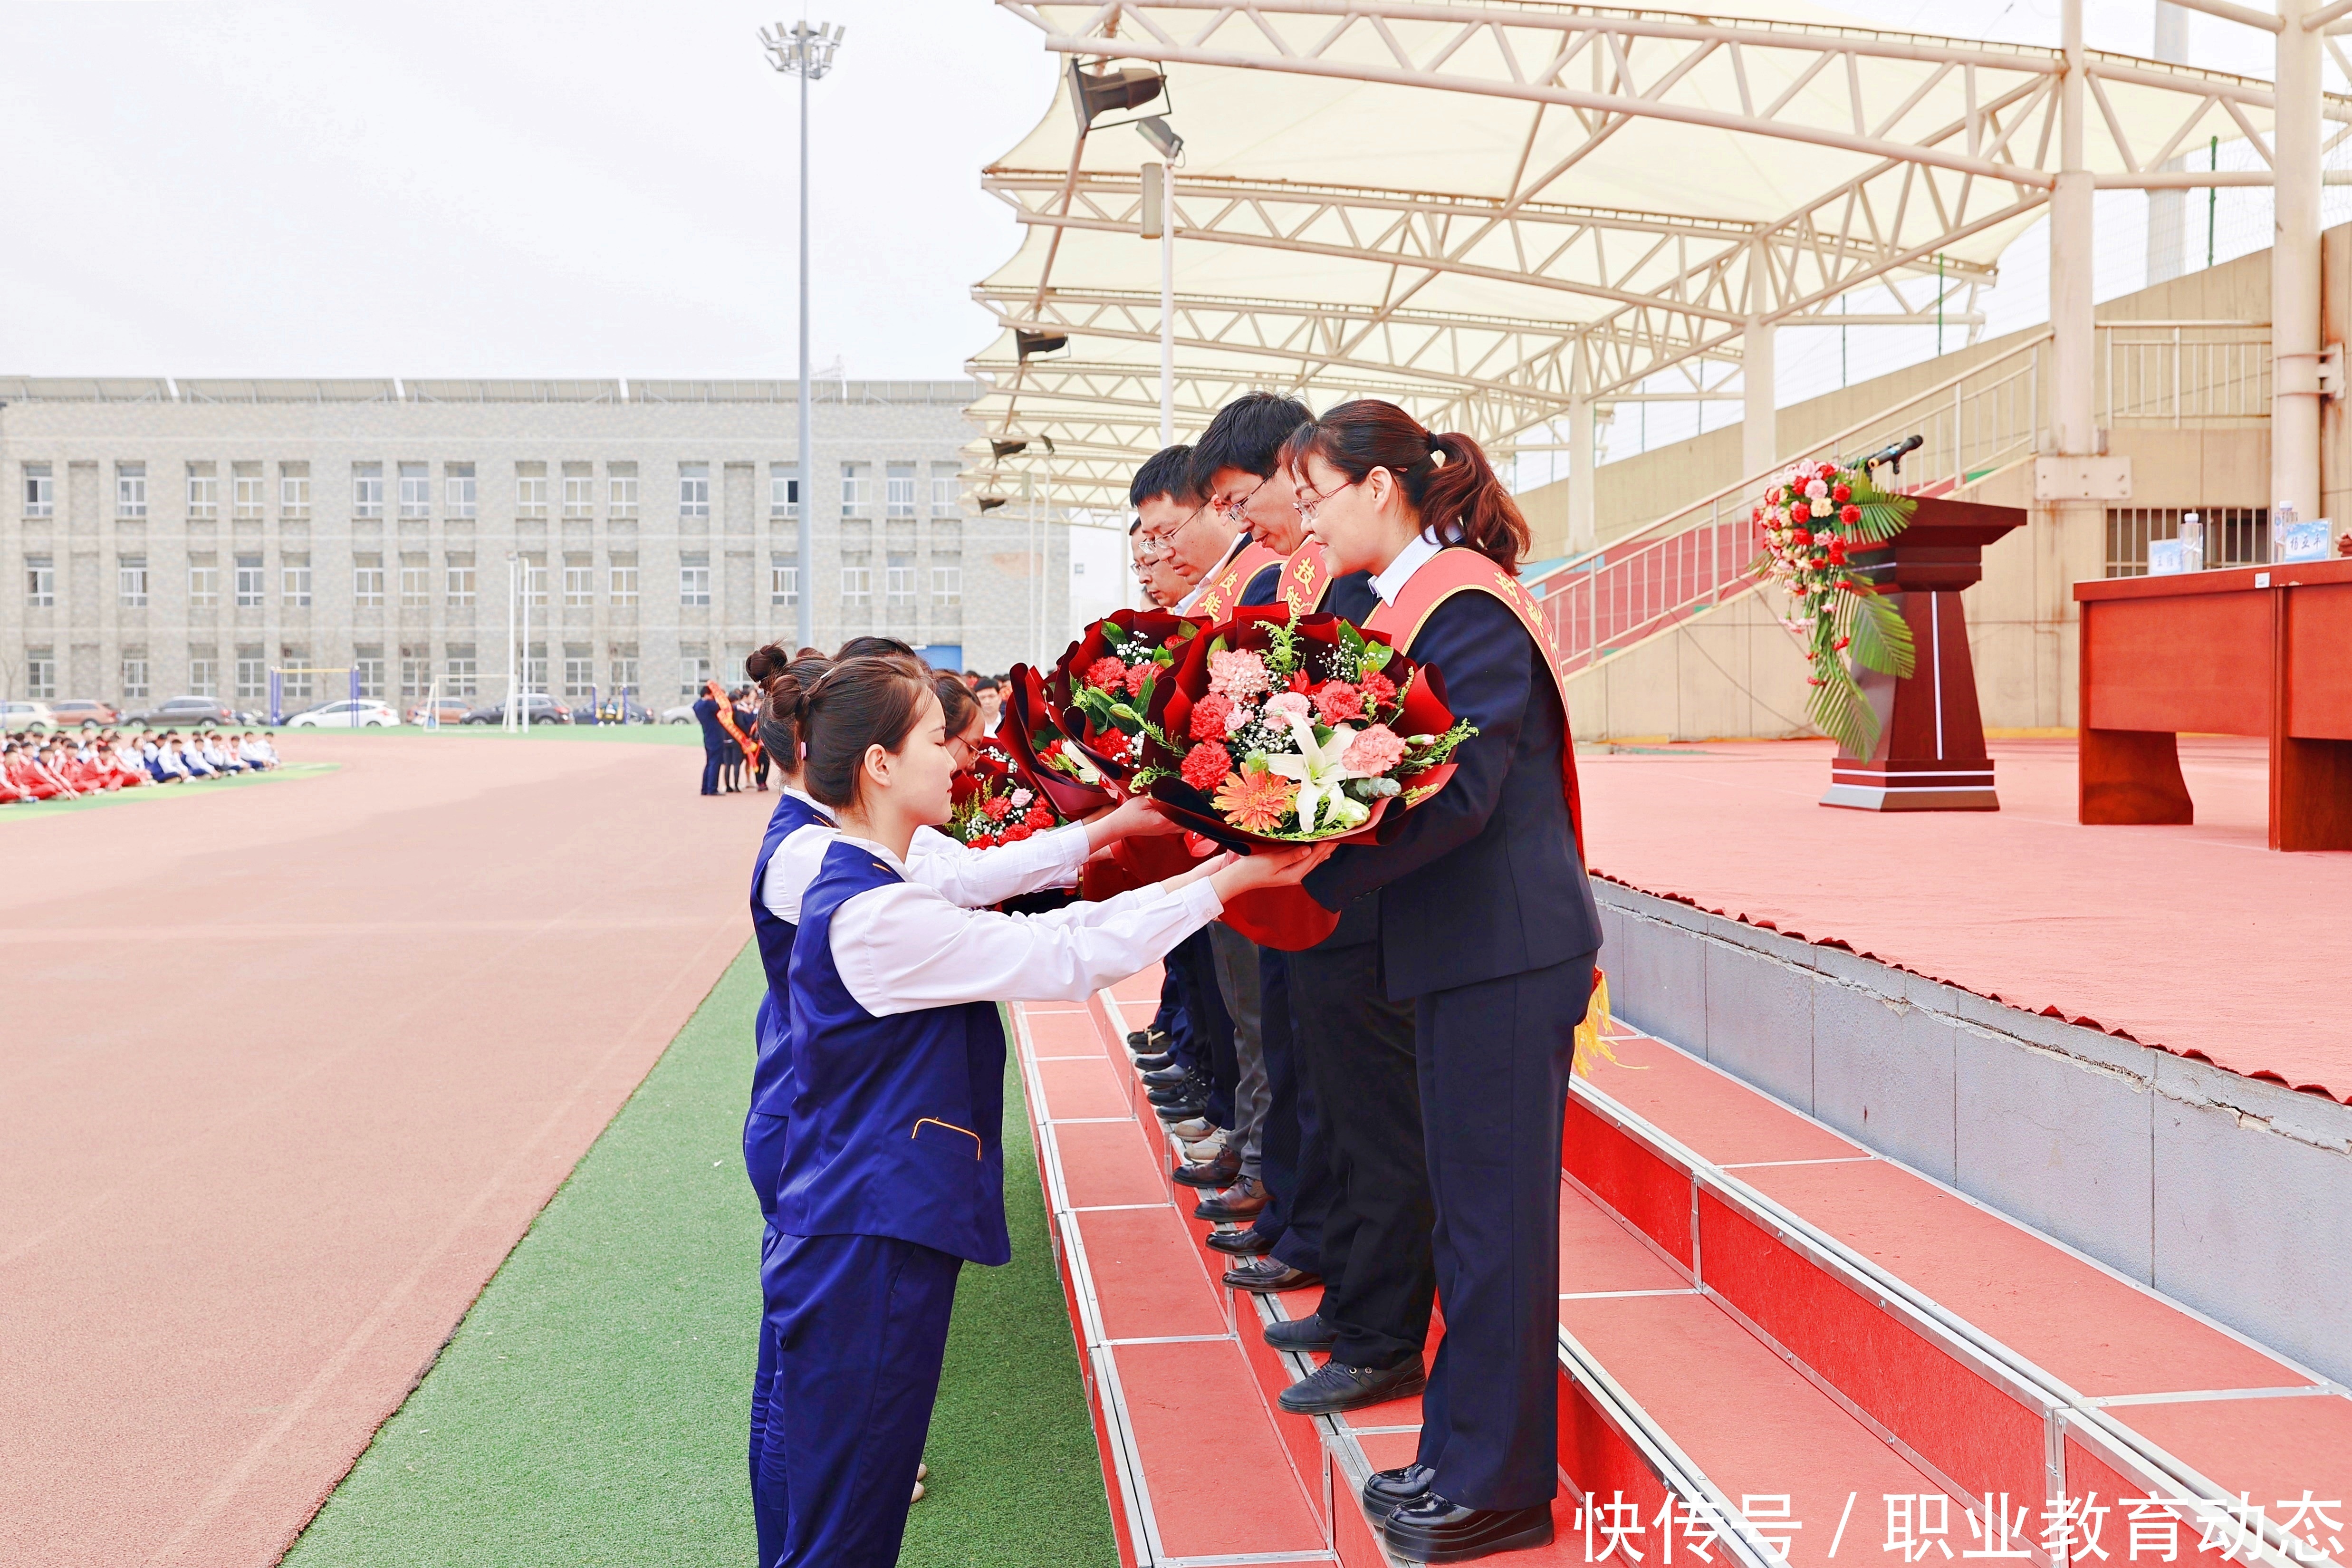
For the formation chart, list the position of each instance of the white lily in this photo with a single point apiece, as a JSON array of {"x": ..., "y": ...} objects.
[{"x": 1317, "y": 769}]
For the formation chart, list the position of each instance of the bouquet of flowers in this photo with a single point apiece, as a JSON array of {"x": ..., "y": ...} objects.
[
  {"x": 1062, "y": 769},
  {"x": 1103, "y": 687},
  {"x": 992, "y": 802},
  {"x": 1281, "y": 729},
  {"x": 1814, "y": 520}
]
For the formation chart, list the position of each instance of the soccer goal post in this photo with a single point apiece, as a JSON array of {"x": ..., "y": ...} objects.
[{"x": 298, "y": 681}]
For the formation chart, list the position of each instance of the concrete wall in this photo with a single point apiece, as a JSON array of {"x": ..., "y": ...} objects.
[{"x": 2230, "y": 1194}]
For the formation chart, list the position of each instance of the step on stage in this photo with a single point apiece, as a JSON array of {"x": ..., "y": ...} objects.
[{"x": 1895, "y": 1217}]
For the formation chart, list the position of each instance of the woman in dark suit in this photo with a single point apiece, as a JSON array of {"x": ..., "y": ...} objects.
[{"x": 1488, "y": 927}]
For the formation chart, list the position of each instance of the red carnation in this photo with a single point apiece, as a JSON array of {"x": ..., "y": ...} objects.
[
  {"x": 982, "y": 841},
  {"x": 1837, "y": 549},
  {"x": 1851, "y": 514},
  {"x": 1828, "y": 471},
  {"x": 1107, "y": 673},
  {"x": 1378, "y": 689},
  {"x": 1209, "y": 717},
  {"x": 1040, "y": 817},
  {"x": 1299, "y": 683},
  {"x": 1800, "y": 512},
  {"x": 1017, "y": 832},
  {"x": 997, "y": 806},
  {"x": 1113, "y": 745},
  {"x": 1840, "y": 493},
  {"x": 1137, "y": 674},
  {"x": 1800, "y": 536},
  {"x": 1206, "y": 764},
  {"x": 1336, "y": 700}
]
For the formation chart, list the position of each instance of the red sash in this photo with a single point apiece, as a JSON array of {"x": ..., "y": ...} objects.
[
  {"x": 1224, "y": 590},
  {"x": 1305, "y": 579},
  {"x": 1459, "y": 570}
]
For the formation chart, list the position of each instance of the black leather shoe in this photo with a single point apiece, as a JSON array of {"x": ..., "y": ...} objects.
[
  {"x": 1245, "y": 1199},
  {"x": 1147, "y": 1039},
  {"x": 1436, "y": 1530},
  {"x": 1335, "y": 1386},
  {"x": 1181, "y": 1110},
  {"x": 1168, "y": 1076},
  {"x": 1155, "y": 1061},
  {"x": 1390, "y": 1491},
  {"x": 1218, "y": 1172},
  {"x": 1307, "y": 1333},
  {"x": 1190, "y": 1086},
  {"x": 1265, "y": 1274},
  {"x": 1246, "y": 1242}
]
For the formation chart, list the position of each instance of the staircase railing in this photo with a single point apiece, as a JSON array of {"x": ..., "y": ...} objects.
[{"x": 1608, "y": 600}]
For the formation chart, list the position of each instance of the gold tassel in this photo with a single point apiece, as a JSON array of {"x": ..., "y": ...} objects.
[{"x": 1592, "y": 1034}]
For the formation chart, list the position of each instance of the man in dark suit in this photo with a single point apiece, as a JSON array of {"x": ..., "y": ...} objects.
[{"x": 715, "y": 742}]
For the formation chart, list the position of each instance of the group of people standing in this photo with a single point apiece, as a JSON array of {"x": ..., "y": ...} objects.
[
  {"x": 730, "y": 739},
  {"x": 35, "y": 768},
  {"x": 1379, "y": 1113}
]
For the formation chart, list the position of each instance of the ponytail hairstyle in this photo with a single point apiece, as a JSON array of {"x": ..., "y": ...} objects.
[
  {"x": 1446, "y": 478},
  {"x": 784, "y": 684},
  {"x": 958, "y": 705},
  {"x": 856, "y": 703},
  {"x": 878, "y": 647}
]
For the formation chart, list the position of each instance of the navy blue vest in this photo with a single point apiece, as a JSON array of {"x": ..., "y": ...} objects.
[
  {"x": 772, "y": 1075},
  {"x": 897, "y": 1123}
]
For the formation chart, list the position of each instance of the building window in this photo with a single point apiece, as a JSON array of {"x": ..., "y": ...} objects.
[
  {"x": 947, "y": 584},
  {"x": 947, "y": 490},
  {"x": 693, "y": 670},
  {"x": 294, "y": 581},
  {"x": 530, "y": 489},
  {"x": 367, "y": 489},
  {"x": 252, "y": 674},
  {"x": 130, "y": 489},
  {"x": 457, "y": 489},
  {"x": 534, "y": 582},
  {"x": 694, "y": 579},
  {"x": 367, "y": 668},
  {"x": 293, "y": 489},
  {"x": 2234, "y": 536},
  {"x": 40, "y": 582},
  {"x": 134, "y": 674},
  {"x": 624, "y": 666},
  {"x": 367, "y": 581},
  {"x": 579, "y": 671},
  {"x": 625, "y": 580},
  {"x": 899, "y": 497},
  {"x": 203, "y": 672},
  {"x": 694, "y": 490},
  {"x": 40, "y": 673},
  {"x": 415, "y": 669},
  {"x": 130, "y": 581},
  {"x": 40, "y": 490},
  {"x": 203, "y": 583},
  {"x": 294, "y": 672},
  {"x": 249, "y": 581},
  {"x": 783, "y": 489},
  {"x": 204, "y": 491},
  {"x": 459, "y": 581},
  {"x": 857, "y": 479},
  {"x": 622, "y": 492},
  {"x": 899, "y": 581},
  {"x": 784, "y": 580},
  {"x": 579, "y": 582},
  {"x": 415, "y": 582},
  {"x": 415, "y": 490},
  {"x": 857, "y": 585},
  {"x": 248, "y": 491},
  {"x": 579, "y": 490},
  {"x": 460, "y": 668}
]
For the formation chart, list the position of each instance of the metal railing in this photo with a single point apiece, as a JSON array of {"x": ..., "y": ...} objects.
[
  {"x": 2167, "y": 373},
  {"x": 1609, "y": 600}
]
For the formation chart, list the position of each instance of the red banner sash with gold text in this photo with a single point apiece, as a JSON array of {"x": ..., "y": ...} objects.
[
  {"x": 1224, "y": 590},
  {"x": 1305, "y": 579},
  {"x": 1460, "y": 570}
]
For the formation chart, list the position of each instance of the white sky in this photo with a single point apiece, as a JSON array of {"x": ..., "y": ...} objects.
[{"x": 524, "y": 189}]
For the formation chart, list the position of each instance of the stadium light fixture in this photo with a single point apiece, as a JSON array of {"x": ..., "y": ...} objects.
[{"x": 1094, "y": 94}]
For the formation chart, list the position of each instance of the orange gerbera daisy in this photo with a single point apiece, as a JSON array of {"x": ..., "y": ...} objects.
[{"x": 1255, "y": 802}]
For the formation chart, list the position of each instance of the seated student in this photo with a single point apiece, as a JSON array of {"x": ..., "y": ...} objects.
[
  {"x": 249, "y": 752},
  {"x": 220, "y": 756},
  {"x": 176, "y": 760},
  {"x": 194, "y": 761},
  {"x": 125, "y": 764},
  {"x": 11, "y": 791},
  {"x": 894, "y": 1164},
  {"x": 265, "y": 748}
]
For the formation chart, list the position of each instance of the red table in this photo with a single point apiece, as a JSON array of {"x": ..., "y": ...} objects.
[{"x": 2255, "y": 650}]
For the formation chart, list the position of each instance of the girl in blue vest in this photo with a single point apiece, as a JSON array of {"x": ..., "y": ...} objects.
[
  {"x": 799, "y": 831},
  {"x": 1487, "y": 927},
  {"x": 894, "y": 1171}
]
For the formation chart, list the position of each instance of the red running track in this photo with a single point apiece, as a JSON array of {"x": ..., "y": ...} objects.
[
  {"x": 288, "y": 1071},
  {"x": 2195, "y": 939}
]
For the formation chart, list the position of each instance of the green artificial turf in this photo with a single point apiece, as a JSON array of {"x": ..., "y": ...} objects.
[
  {"x": 639, "y": 734},
  {"x": 591, "y": 1407},
  {"x": 187, "y": 790}
]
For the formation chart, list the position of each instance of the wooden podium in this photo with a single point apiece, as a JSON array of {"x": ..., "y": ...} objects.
[{"x": 1930, "y": 755}]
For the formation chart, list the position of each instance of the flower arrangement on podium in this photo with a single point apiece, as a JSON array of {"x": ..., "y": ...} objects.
[
  {"x": 994, "y": 801},
  {"x": 1814, "y": 520}
]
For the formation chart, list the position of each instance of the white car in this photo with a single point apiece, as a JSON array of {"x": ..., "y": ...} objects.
[{"x": 366, "y": 714}]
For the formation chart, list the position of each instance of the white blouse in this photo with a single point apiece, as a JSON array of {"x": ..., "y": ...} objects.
[
  {"x": 964, "y": 877},
  {"x": 903, "y": 947}
]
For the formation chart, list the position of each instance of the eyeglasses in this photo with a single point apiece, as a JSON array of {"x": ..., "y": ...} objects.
[
  {"x": 1232, "y": 510},
  {"x": 1306, "y": 502}
]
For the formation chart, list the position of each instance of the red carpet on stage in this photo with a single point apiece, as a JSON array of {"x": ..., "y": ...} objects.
[{"x": 2196, "y": 940}]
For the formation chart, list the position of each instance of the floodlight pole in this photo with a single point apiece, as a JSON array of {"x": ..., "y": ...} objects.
[
  {"x": 506, "y": 720},
  {"x": 2295, "y": 265},
  {"x": 1167, "y": 304},
  {"x": 805, "y": 52}
]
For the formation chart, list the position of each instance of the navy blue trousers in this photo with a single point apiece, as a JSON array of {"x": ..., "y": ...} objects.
[
  {"x": 1493, "y": 1064},
  {"x": 711, "y": 759},
  {"x": 1212, "y": 1025},
  {"x": 860, "y": 1325},
  {"x": 769, "y": 1503},
  {"x": 1291, "y": 1163}
]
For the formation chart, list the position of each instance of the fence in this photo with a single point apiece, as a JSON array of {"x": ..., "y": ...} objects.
[{"x": 2171, "y": 375}]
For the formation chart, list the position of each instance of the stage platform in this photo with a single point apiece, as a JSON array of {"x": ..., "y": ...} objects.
[{"x": 1775, "y": 1343}]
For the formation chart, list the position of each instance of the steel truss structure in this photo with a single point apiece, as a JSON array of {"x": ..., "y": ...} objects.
[{"x": 1567, "y": 201}]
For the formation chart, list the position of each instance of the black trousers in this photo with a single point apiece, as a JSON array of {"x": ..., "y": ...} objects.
[
  {"x": 1211, "y": 1027},
  {"x": 1355, "y": 1056},
  {"x": 712, "y": 757},
  {"x": 1494, "y": 1061},
  {"x": 1292, "y": 1163}
]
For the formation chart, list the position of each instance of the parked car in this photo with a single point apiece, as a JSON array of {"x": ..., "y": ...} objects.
[
  {"x": 538, "y": 708},
  {"x": 16, "y": 716},
  {"x": 82, "y": 712},
  {"x": 186, "y": 711},
  {"x": 613, "y": 710},
  {"x": 681, "y": 714},
  {"x": 364, "y": 713},
  {"x": 445, "y": 711}
]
